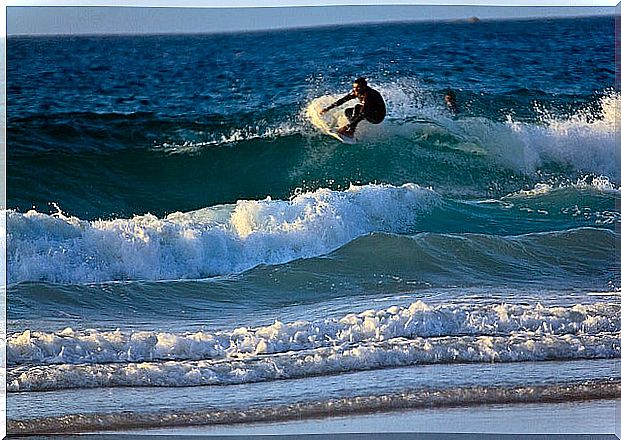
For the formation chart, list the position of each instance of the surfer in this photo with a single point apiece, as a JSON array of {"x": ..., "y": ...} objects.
[
  {"x": 451, "y": 102},
  {"x": 372, "y": 107}
]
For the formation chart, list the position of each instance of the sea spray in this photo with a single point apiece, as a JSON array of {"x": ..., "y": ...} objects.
[{"x": 583, "y": 141}]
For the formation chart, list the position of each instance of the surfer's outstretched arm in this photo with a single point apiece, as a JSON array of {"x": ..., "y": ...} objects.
[{"x": 341, "y": 101}]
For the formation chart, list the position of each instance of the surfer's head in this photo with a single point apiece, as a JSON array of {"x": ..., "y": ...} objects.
[
  {"x": 451, "y": 100},
  {"x": 360, "y": 85}
]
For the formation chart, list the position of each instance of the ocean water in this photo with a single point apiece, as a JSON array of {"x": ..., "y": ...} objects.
[{"x": 184, "y": 247}]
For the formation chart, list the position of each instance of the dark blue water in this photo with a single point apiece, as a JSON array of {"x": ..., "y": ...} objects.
[{"x": 174, "y": 219}]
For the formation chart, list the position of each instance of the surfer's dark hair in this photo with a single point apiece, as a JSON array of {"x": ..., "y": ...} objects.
[{"x": 361, "y": 81}]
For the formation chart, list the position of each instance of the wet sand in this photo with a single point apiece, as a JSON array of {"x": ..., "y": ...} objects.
[{"x": 599, "y": 417}]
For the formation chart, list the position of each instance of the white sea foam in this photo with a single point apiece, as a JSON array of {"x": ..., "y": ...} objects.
[
  {"x": 231, "y": 137},
  {"x": 597, "y": 183},
  {"x": 212, "y": 241},
  {"x": 417, "y": 320},
  {"x": 583, "y": 141},
  {"x": 320, "y": 361}
]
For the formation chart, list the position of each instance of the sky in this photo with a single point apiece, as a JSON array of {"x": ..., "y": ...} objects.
[{"x": 159, "y": 16}]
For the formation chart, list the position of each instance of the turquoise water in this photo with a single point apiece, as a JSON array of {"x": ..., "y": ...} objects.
[{"x": 176, "y": 228}]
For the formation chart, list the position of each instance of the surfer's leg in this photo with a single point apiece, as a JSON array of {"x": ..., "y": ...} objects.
[
  {"x": 349, "y": 112},
  {"x": 352, "y": 113},
  {"x": 354, "y": 121}
]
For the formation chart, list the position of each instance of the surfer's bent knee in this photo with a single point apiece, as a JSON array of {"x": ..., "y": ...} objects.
[{"x": 373, "y": 120}]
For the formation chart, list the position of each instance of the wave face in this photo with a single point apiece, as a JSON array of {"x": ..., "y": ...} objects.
[
  {"x": 211, "y": 163},
  {"x": 183, "y": 246}
]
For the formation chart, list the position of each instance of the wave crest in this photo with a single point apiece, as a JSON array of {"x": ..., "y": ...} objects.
[{"x": 213, "y": 241}]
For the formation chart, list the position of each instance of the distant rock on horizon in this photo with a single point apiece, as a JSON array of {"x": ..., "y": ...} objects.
[{"x": 467, "y": 20}]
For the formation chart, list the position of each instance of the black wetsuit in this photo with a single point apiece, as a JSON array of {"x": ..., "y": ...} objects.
[{"x": 373, "y": 108}]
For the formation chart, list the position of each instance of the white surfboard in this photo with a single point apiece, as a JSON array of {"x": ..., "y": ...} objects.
[{"x": 329, "y": 122}]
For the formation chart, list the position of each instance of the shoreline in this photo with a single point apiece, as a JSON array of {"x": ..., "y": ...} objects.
[
  {"x": 515, "y": 420},
  {"x": 581, "y": 416}
]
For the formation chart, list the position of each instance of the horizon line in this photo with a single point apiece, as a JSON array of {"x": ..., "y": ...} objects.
[{"x": 466, "y": 20}]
